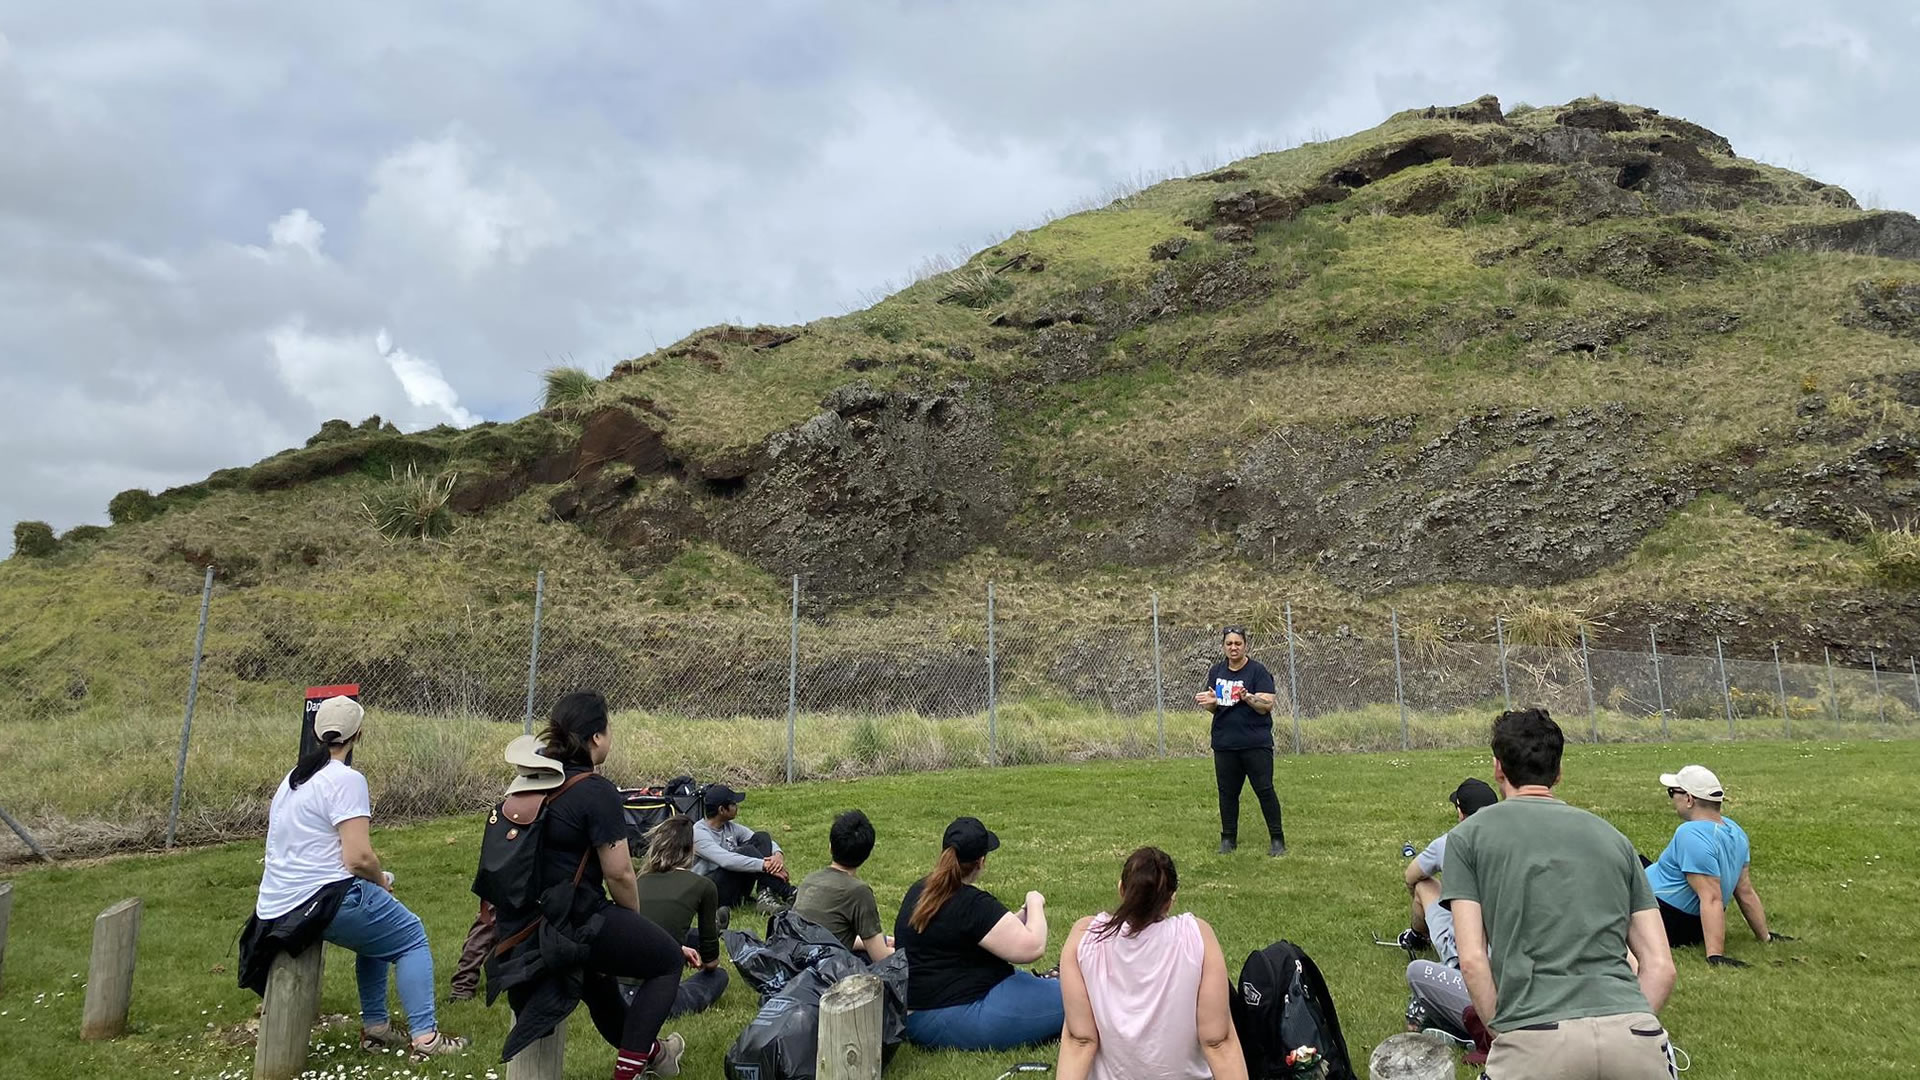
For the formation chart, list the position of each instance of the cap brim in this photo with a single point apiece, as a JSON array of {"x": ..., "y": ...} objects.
[
  {"x": 1669, "y": 779},
  {"x": 993, "y": 841}
]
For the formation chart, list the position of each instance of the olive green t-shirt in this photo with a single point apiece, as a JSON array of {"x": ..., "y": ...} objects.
[
  {"x": 840, "y": 902},
  {"x": 675, "y": 900},
  {"x": 1557, "y": 887}
]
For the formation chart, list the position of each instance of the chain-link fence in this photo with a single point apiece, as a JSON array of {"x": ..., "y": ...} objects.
[{"x": 753, "y": 700}]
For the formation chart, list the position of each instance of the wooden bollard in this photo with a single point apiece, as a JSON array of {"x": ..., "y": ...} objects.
[
  {"x": 1409, "y": 1056},
  {"x": 546, "y": 1059},
  {"x": 6, "y": 914},
  {"x": 850, "y": 1014},
  {"x": 287, "y": 1013},
  {"x": 116, "y": 940}
]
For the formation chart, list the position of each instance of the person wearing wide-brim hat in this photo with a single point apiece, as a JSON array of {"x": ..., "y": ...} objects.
[
  {"x": 1705, "y": 866},
  {"x": 963, "y": 992}
]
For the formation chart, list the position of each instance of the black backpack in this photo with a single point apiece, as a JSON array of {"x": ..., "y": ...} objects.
[
  {"x": 646, "y": 807},
  {"x": 1280, "y": 1004},
  {"x": 509, "y": 873}
]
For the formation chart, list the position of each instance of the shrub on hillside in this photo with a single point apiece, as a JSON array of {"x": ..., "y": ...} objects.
[
  {"x": 411, "y": 506},
  {"x": 977, "y": 288},
  {"x": 34, "y": 539},
  {"x": 82, "y": 534},
  {"x": 1895, "y": 550},
  {"x": 131, "y": 505},
  {"x": 569, "y": 389}
]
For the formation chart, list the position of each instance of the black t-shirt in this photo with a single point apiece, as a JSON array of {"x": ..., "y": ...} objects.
[
  {"x": 1240, "y": 726},
  {"x": 946, "y": 964},
  {"x": 585, "y": 819}
]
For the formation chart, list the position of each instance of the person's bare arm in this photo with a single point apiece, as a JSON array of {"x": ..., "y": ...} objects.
[
  {"x": 356, "y": 850},
  {"x": 616, "y": 865},
  {"x": 1713, "y": 912},
  {"x": 877, "y": 947},
  {"x": 1414, "y": 875},
  {"x": 1219, "y": 1042},
  {"x": 1079, "y": 1036},
  {"x": 1470, "y": 936},
  {"x": 1646, "y": 947},
  {"x": 1260, "y": 703},
  {"x": 1748, "y": 898},
  {"x": 1019, "y": 942}
]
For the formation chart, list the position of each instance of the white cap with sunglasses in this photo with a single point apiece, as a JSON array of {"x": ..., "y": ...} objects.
[{"x": 1697, "y": 781}]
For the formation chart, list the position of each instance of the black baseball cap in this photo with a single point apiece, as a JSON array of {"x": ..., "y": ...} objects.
[
  {"x": 1472, "y": 794},
  {"x": 969, "y": 840},
  {"x": 721, "y": 795}
]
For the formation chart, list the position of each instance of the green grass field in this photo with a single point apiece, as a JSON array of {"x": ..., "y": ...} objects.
[{"x": 1831, "y": 824}]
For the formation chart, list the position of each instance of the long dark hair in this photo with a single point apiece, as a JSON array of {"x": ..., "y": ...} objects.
[
  {"x": 947, "y": 877},
  {"x": 1147, "y": 884},
  {"x": 312, "y": 762},
  {"x": 575, "y": 720}
]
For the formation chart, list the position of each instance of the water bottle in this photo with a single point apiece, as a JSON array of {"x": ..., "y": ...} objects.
[{"x": 1407, "y": 850}]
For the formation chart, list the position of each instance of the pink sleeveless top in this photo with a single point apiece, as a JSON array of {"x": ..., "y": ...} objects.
[{"x": 1145, "y": 991}]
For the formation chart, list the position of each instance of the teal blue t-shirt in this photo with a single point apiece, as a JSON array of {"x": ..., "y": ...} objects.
[{"x": 1699, "y": 847}]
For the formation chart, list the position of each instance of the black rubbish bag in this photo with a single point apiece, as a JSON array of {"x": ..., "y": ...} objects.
[
  {"x": 794, "y": 944},
  {"x": 780, "y": 1043}
]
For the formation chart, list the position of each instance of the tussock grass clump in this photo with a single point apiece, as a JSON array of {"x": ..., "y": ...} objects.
[
  {"x": 411, "y": 506},
  {"x": 1894, "y": 550},
  {"x": 1542, "y": 292},
  {"x": 1546, "y": 627},
  {"x": 569, "y": 389},
  {"x": 977, "y": 288}
]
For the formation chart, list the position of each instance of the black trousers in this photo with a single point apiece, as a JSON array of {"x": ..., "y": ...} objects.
[
  {"x": 1683, "y": 929},
  {"x": 631, "y": 947},
  {"x": 1231, "y": 769},
  {"x": 738, "y": 885}
]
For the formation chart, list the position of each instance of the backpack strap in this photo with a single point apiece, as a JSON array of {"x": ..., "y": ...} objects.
[{"x": 501, "y": 948}]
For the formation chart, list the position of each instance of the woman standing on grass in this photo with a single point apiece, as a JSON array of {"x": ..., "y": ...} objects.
[
  {"x": 1146, "y": 990},
  {"x": 1239, "y": 694},
  {"x": 961, "y": 944},
  {"x": 321, "y": 872}
]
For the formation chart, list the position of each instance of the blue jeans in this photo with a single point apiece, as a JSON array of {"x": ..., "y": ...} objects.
[
  {"x": 382, "y": 931},
  {"x": 1024, "y": 1009}
]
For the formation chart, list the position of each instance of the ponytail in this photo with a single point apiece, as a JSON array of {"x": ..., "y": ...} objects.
[
  {"x": 311, "y": 762},
  {"x": 938, "y": 888},
  {"x": 1147, "y": 884},
  {"x": 575, "y": 720}
]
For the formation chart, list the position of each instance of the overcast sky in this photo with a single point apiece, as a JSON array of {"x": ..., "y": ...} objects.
[{"x": 221, "y": 224}]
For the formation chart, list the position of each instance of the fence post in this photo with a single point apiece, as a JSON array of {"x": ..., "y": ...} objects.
[
  {"x": 1159, "y": 691},
  {"x": 1915, "y": 672},
  {"x": 193, "y": 695},
  {"x": 116, "y": 941},
  {"x": 1833, "y": 699},
  {"x": 1500, "y": 635},
  {"x": 993, "y": 688},
  {"x": 533, "y": 655},
  {"x": 1293, "y": 680},
  {"x": 849, "y": 1041},
  {"x": 26, "y": 837},
  {"x": 1659, "y": 691},
  {"x": 793, "y": 673},
  {"x": 1726, "y": 692},
  {"x": 1780, "y": 677},
  {"x": 287, "y": 1012},
  {"x": 6, "y": 916},
  {"x": 545, "y": 1059},
  {"x": 1399, "y": 682},
  {"x": 1879, "y": 703},
  {"x": 1586, "y": 668}
]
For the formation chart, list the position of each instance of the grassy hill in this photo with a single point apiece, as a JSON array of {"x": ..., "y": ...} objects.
[{"x": 1582, "y": 358}]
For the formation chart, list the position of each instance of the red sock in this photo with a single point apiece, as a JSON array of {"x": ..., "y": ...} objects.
[{"x": 629, "y": 1064}]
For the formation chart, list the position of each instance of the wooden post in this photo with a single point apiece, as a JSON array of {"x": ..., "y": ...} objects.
[
  {"x": 6, "y": 914},
  {"x": 1410, "y": 1056},
  {"x": 287, "y": 1014},
  {"x": 546, "y": 1059},
  {"x": 116, "y": 938},
  {"x": 850, "y": 1013}
]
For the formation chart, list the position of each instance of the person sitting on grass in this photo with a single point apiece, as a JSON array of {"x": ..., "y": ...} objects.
[
  {"x": 322, "y": 881},
  {"x": 1704, "y": 867},
  {"x": 1145, "y": 990},
  {"x": 674, "y": 898},
  {"x": 961, "y": 944},
  {"x": 739, "y": 860},
  {"x": 1437, "y": 995},
  {"x": 838, "y": 900}
]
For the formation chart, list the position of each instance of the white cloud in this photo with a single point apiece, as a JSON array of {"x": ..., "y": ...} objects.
[
  {"x": 297, "y": 229},
  {"x": 428, "y": 199},
  {"x": 353, "y": 376}
]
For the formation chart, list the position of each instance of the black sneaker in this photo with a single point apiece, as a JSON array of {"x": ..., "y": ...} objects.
[
  {"x": 1277, "y": 849},
  {"x": 1226, "y": 846},
  {"x": 1414, "y": 941}
]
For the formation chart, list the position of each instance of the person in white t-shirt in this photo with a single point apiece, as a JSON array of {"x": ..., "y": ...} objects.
[{"x": 317, "y": 838}]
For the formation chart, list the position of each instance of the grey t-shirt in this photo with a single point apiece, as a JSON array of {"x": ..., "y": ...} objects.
[{"x": 1557, "y": 887}]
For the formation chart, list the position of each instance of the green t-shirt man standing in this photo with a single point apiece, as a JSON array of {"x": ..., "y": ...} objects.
[{"x": 1560, "y": 895}]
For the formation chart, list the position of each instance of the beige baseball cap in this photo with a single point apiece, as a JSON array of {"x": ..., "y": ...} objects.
[
  {"x": 337, "y": 719},
  {"x": 1697, "y": 781},
  {"x": 533, "y": 770}
]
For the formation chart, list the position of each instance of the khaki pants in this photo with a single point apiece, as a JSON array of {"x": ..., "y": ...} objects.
[{"x": 1630, "y": 1046}]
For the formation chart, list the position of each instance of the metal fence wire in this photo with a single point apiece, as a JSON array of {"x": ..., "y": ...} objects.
[{"x": 755, "y": 700}]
